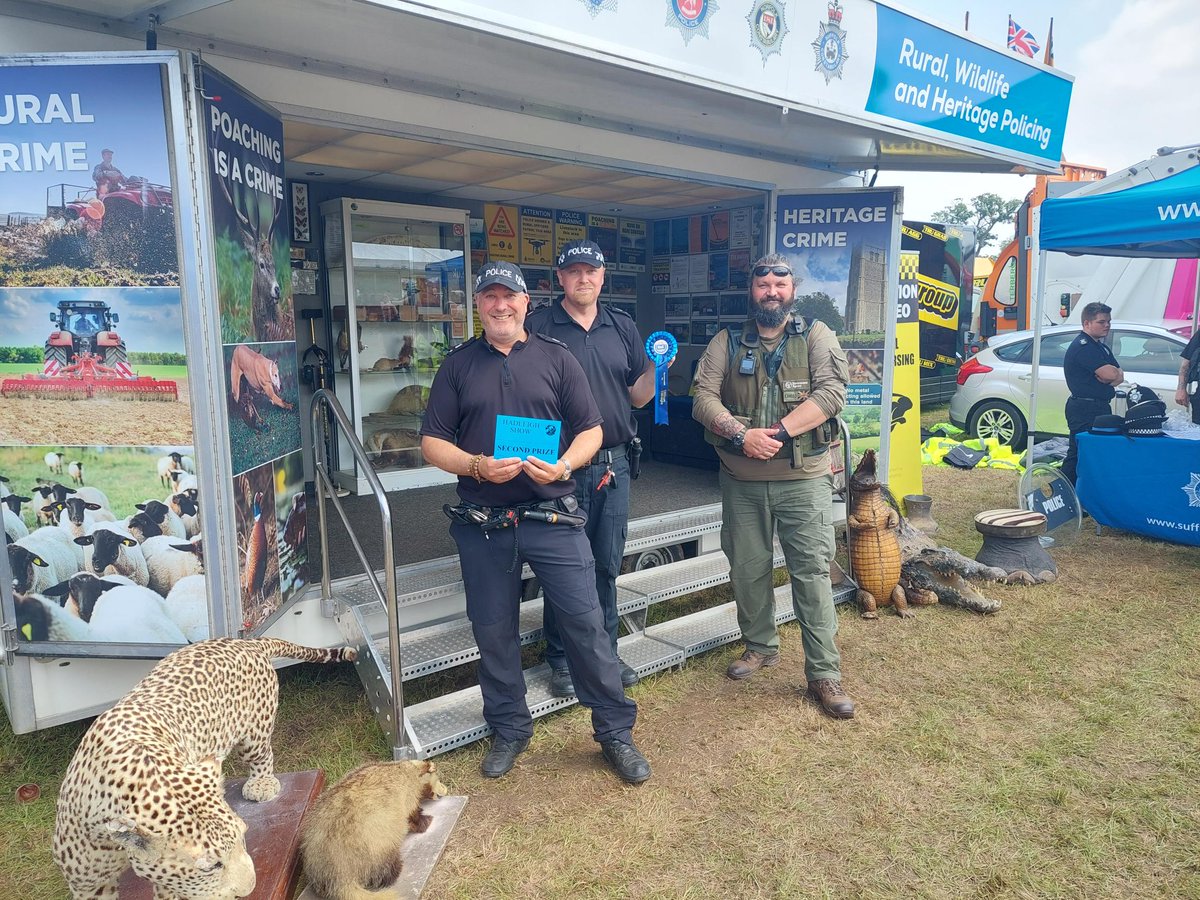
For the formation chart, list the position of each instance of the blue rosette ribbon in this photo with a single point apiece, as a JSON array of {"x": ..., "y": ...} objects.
[{"x": 661, "y": 347}]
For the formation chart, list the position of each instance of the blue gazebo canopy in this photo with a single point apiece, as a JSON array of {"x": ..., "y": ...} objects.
[{"x": 1156, "y": 219}]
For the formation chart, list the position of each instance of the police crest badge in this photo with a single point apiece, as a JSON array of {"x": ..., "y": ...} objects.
[
  {"x": 767, "y": 27},
  {"x": 830, "y": 45},
  {"x": 595, "y": 6},
  {"x": 690, "y": 17}
]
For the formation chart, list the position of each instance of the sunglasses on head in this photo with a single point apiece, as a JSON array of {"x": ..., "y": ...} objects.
[{"x": 764, "y": 271}]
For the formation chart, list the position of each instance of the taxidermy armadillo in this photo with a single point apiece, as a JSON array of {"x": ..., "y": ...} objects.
[{"x": 874, "y": 543}]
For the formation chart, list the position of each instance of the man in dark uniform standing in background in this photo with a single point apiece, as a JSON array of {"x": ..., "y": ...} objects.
[
  {"x": 1091, "y": 371},
  {"x": 522, "y": 509},
  {"x": 1189, "y": 372},
  {"x": 607, "y": 344}
]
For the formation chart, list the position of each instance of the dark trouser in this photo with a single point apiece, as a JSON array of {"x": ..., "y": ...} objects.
[
  {"x": 1081, "y": 413},
  {"x": 559, "y": 556},
  {"x": 607, "y": 512},
  {"x": 802, "y": 513},
  {"x": 1195, "y": 401}
]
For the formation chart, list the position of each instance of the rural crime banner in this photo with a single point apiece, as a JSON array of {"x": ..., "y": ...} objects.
[
  {"x": 94, "y": 398},
  {"x": 839, "y": 246},
  {"x": 253, "y": 276}
]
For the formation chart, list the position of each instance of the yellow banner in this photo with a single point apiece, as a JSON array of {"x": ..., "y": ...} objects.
[{"x": 904, "y": 453}]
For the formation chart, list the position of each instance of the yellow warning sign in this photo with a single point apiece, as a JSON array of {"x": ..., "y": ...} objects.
[{"x": 501, "y": 232}]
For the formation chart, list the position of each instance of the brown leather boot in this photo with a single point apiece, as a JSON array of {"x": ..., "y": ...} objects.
[
  {"x": 827, "y": 693},
  {"x": 749, "y": 663}
]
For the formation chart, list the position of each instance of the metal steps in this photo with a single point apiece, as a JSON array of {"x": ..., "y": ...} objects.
[
  {"x": 433, "y": 634},
  {"x": 448, "y": 644},
  {"x": 454, "y": 720}
]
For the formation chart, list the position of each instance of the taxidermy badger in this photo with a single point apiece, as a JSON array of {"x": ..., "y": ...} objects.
[{"x": 351, "y": 837}]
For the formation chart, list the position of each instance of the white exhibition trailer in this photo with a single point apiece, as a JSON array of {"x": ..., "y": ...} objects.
[{"x": 658, "y": 110}]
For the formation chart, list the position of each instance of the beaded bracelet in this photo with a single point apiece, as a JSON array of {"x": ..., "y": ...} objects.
[{"x": 473, "y": 467}]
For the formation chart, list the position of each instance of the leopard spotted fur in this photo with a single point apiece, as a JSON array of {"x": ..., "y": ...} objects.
[{"x": 145, "y": 789}]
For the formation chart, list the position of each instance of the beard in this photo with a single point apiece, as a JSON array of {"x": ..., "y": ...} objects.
[{"x": 770, "y": 317}]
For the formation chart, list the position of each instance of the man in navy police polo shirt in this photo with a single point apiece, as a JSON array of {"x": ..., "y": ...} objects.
[
  {"x": 1091, "y": 371},
  {"x": 519, "y": 509},
  {"x": 606, "y": 342}
]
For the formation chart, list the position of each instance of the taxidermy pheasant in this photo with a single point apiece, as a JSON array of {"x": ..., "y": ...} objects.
[{"x": 256, "y": 552}]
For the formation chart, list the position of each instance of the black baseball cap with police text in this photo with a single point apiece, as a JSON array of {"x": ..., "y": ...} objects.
[
  {"x": 581, "y": 252},
  {"x": 503, "y": 273}
]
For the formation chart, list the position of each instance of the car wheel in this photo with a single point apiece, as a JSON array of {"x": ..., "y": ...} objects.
[
  {"x": 648, "y": 559},
  {"x": 1000, "y": 420}
]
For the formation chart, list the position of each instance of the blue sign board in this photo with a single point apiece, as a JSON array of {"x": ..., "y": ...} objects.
[{"x": 936, "y": 79}]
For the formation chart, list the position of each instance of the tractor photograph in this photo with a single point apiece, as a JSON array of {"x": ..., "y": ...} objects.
[{"x": 84, "y": 358}]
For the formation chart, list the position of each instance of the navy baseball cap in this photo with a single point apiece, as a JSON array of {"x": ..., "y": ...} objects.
[
  {"x": 505, "y": 273},
  {"x": 581, "y": 252}
]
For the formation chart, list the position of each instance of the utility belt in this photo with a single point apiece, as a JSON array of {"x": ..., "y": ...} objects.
[
  {"x": 632, "y": 451},
  {"x": 605, "y": 455},
  {"x": 563, "y": 511}
]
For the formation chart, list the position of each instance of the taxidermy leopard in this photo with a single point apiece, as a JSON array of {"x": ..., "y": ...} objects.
[{"x": 145, "y": 789}]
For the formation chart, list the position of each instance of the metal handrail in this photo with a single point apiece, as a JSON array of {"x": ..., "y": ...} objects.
[{"x": 323, "y": 400}]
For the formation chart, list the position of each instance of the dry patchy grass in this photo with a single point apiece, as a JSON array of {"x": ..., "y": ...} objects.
[{"x": 1046, "y": 751}]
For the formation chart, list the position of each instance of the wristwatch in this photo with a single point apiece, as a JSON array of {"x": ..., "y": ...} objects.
[
  {"x": 739, "y": 439},
  {"x": 566, "y": 475}
]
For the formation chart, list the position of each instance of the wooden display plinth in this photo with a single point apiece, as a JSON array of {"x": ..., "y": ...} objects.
[{"x": 272, "y": 836}]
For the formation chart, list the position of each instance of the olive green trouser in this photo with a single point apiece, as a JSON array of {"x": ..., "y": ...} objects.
[{"x": 802, "y": 511}]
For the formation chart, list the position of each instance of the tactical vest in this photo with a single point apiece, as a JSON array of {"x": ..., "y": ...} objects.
[{"x": 760, "y": 388}]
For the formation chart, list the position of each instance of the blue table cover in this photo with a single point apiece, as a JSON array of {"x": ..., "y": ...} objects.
[{"x": 1148, "y": 485}]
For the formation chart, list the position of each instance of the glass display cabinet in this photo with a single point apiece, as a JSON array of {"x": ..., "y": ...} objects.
[{"x": 397, "y": 287}]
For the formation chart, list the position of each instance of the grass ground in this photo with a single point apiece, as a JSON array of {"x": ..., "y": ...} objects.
[{"x": 1046, "y": 751}]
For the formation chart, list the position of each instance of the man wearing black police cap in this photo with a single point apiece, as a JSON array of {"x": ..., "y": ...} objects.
[
  {"x": 606, "y": 342},
  {"x": 519, "y": 509},
  {"x": 1091, "y": 371}
]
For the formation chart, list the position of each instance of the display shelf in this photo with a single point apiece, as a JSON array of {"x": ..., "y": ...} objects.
[{"x": 402, "y": 303}]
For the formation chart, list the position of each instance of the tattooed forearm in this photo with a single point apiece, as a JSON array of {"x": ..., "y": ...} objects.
[{"x": 726, "y": 425}]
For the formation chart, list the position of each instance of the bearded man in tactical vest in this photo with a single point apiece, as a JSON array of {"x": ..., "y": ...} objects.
[{"x": 767, "y": 394}]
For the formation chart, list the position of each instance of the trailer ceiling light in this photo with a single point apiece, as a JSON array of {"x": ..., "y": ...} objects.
[{"x": 315, "y": 174}]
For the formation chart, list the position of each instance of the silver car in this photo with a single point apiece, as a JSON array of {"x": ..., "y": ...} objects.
[{"x": 994, "y": 385}]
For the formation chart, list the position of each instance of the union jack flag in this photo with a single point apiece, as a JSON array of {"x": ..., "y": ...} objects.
[{"x": 1020, "y": 40}]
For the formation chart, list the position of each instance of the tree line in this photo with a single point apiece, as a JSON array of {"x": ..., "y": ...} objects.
[{"x": 139, "y": 358}]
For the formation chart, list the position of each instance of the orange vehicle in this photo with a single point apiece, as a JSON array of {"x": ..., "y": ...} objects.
[{"x": 1005, "y": 304}]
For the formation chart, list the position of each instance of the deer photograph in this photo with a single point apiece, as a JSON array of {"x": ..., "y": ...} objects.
[{"x": 254, "y": 280}]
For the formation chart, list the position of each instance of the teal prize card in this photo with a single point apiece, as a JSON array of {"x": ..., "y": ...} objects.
[{"x": 518, "y": 436}]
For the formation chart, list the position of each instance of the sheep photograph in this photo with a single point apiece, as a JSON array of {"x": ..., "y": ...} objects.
[
  {"x": 258, "y": 556},
  {"x": 104, "y": 544}
]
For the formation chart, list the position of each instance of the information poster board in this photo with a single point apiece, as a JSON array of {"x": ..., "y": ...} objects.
[
  {"x": 95, "y": 395},
  {"x": 839, "y": 244},
  {"x": 251, "y": 240}
]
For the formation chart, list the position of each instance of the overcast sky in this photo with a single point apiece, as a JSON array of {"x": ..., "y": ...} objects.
[{"x": 1135, "y": 70}]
